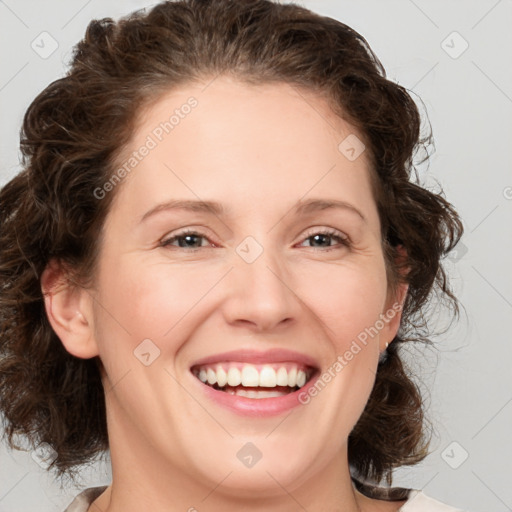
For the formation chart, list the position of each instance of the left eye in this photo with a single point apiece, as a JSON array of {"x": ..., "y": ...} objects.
[{"x": 328, "y": 235}]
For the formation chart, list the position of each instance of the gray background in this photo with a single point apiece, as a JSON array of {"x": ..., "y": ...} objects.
[{"x": 468, "y": 97}]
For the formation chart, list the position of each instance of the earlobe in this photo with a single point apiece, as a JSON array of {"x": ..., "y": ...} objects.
[
  {"x": 69, "y": 311},
  {"x": 394, "y": 310},
  {"x": 393, "y": 316}
]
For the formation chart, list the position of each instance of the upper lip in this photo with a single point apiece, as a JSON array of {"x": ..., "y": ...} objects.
[{"x": 275, "y": 355}]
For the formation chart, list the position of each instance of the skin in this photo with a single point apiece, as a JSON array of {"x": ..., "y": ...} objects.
[{"x": 257, "y": 150}]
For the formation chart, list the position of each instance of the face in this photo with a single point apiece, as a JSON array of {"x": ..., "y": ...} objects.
[{"x": 273, "y": 283}]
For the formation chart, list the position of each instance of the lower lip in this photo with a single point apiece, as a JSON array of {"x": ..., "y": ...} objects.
[{"x": 259, "y": 407}]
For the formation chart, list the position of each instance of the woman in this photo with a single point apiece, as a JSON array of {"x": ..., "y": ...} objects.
[{"x": 163, "y": 296}]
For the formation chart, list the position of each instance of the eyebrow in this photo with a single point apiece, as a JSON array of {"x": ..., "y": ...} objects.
[
  {"x": 211, "y": 207},
  {"x": 313, "y": 205},
  {"x": 302, "y": 207}
]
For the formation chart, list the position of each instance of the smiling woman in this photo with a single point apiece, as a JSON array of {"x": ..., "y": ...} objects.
[{"x": 245, "y": 285}]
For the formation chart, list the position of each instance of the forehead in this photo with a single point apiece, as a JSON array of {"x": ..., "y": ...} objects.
[{"x": 241, "y": 142}]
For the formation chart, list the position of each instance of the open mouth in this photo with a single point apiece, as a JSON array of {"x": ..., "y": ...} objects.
[{"x": 254, "y": 380}]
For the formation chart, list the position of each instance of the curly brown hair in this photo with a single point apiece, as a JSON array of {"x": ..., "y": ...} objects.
[{"x": 71, "y": 139}]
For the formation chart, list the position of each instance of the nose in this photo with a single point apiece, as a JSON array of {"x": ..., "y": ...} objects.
[{"x": 261, "y": 294}]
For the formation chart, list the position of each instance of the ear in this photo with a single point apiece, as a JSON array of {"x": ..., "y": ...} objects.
[
  {"x": 69, "y": 311},
  {"x": 392, "y": 314}
]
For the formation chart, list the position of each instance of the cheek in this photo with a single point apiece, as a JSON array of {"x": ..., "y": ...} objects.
[
  {"x": 154, "y": 298},
  {"x": 140, "y": 300},
  {"x": 348, "y": 298}
]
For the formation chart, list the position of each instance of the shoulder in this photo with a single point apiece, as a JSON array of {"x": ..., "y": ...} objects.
[
  {"x": 401, "y": 499},
  {"x": 418, "y": 501},
  {"x": 82, "y": 502}
]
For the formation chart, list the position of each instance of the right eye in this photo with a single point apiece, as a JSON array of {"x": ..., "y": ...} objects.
[{"x": 186, "y": 240}]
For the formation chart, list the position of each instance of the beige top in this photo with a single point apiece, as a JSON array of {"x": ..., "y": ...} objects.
[{"x": 417, "y": 501}]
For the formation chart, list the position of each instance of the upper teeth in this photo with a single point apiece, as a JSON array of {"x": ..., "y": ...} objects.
[{"x": 253, "y": 376}]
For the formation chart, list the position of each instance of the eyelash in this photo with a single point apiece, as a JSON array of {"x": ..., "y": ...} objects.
[{"x": 331, "y": 233}]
